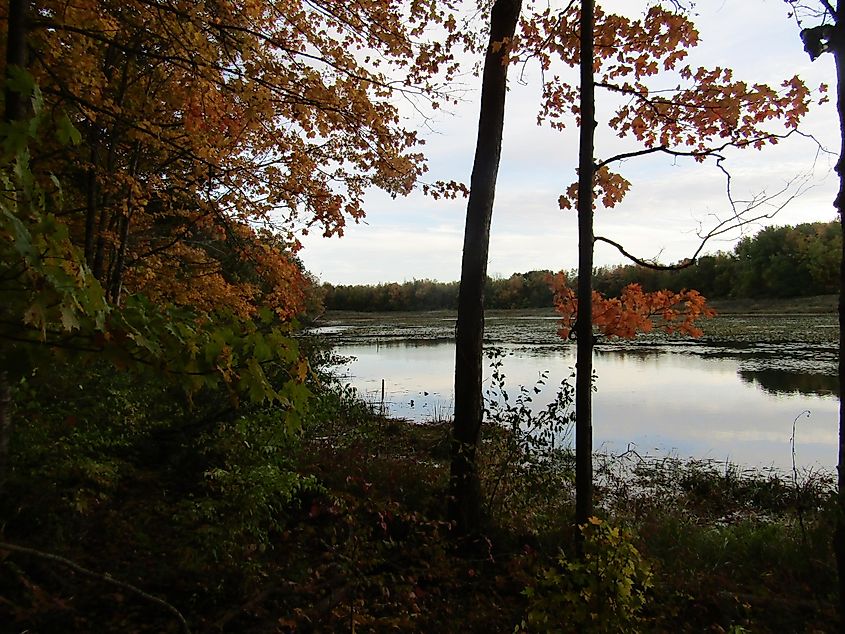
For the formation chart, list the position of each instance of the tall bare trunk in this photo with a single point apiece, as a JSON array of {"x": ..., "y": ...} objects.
[
  {"x": 91, "y": 198},
  {"x": 15, "y": 109},
  {"x": 838, "y": 49},
  {"x": 116, "y": 276},
  {"x": 5, "y": 424},
  {"x": 16, "y": 55},
  {"x": 464, "y": 488},
  {"x": 584, "y": 320}
]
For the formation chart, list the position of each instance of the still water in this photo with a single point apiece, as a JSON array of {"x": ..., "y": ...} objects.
[{"x": 690, "y": 400}]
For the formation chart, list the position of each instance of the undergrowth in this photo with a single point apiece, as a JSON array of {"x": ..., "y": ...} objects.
[{"x": 247, "y": 524}]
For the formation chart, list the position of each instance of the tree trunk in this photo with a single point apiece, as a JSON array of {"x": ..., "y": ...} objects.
[
  {"x": 584, "y": 320},
  {"x": 107, "y": 220},
  {"x": 5, "y": 425},
  {"x": 16, "y": 55},
  {"x": 838, "y": 49},
  {"x": 464, "y": 487},
  {"x": 116, "y": 277},
  {"x": 91, "y": 196},
  {"x": 15, "y": 109}
]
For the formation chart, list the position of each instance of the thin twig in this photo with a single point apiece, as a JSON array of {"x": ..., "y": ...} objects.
[
  {"x": 647, "y": 263},
  {"x": 798, "y": 504},
  {"x": 105, "y": 577},
  {"x": 740, "y": 217}
]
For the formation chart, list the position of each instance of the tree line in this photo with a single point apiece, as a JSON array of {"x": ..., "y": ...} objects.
[
  {"x": 777, "y": 262},
  {"x": 520, "y": 290}
]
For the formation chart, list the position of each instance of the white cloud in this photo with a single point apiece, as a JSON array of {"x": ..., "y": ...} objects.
[{"x": 421, "y": 238}]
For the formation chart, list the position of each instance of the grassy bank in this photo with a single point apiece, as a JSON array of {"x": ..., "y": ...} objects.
[{"x": 244, "y": 527}]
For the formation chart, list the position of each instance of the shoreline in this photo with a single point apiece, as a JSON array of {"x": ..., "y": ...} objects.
[{"x": 816, "y": 304}]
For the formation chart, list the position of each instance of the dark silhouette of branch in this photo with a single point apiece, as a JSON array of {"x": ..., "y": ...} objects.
[
  {"x": 760, "y": 207},
  {"x": 104, "y": 577},
  {"x": 650, "y": 264},
  {"x": 829, "y": 8},
  {"x": 714, "y": 151}
]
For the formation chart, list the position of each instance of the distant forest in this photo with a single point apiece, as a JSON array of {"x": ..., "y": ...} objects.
[{"x": 777, "y": 262}]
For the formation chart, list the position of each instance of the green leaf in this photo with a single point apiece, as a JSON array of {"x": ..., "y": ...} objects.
[
  {"x": 22, "y": 171},
  {"x": 20, "y": 80},
  {"x": 255, "y": 382},
  {"x": 23, "y": 238},
  {"x": 261, "y": 350},
  {"x": 69, "y": 318},
  {"x": 15, "y": 136},
  {"x": 36, "y": 315},
  {"x": 67, "y": 133}
]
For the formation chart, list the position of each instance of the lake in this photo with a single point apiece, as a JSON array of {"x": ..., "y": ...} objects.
[{"x": 732, "y": 395}]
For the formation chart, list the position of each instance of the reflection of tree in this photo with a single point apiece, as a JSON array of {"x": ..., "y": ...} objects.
[
  {"x": 786, "y": 382},
  {"x": 392, "y": 341},
  {"x": 630, "y": 353}
]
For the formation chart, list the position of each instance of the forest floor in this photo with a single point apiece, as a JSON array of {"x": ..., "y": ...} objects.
[{"x": 351, "y": 536}]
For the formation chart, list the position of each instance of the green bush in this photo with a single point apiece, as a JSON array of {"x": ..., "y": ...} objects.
[
  {"x": 526, "y": 466},
  {"x": 242, "y": 495},
  {"x": 602, "y": 592}
]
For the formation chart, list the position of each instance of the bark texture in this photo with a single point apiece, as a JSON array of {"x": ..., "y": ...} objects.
[
  {"x": 838, "y": 50},
  {"x": 584, "y": 319},
  {"x": 464, "y": 487},
  {"x": 16, "y": 55},
  {"x": 15, "y": 108}
]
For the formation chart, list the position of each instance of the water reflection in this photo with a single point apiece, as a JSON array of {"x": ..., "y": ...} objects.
[
  {"x": 641, "y": 355},
  {"x": 785, "y": 382},
  {"x": 671, "y": 402}
]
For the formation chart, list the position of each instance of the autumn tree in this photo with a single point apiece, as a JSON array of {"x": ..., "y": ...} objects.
[
  {"x": 152, "y": 201},
  {"x": 708, "y": 113},
  {"x": 201, "y": 123},
  {"x": 584, "y": 311},
  {"x": 207, "y": 135}
]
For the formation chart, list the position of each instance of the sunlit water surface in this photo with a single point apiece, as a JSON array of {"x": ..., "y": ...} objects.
[{"x": 704, "y": 400}]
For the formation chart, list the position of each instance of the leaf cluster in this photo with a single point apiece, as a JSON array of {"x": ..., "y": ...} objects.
[
  {"x": 55, "y": 305},
  {"x": 634, "y": 311},
  {"x": 605, "y": 591},
  {"x": 637, "y": 60}
]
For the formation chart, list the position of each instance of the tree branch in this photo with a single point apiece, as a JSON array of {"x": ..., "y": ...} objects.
[
  {"x": 713, "y": 151},
  {"x": 830, "y": 10},
  {"x": 649, "y": 264},
  {"x": 106, "y": 578},
  {"x": 740, "y": 217}
]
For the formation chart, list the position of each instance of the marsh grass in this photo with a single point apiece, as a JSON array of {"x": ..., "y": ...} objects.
[{"x": 730, "y": 547}]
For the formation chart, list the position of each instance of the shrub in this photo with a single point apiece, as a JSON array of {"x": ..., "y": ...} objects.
[{"x": 602, "y": 592}]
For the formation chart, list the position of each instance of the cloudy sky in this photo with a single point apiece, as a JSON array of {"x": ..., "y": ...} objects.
[{"x": 669, "y": 202}]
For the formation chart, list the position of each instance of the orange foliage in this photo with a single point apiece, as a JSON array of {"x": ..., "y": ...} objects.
[
  {"x": 707, "y": 108},
  {"x": 203, "y": 121},
  {"x": 256, "y": 271},
  {"x": 634, "y": 311}
]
